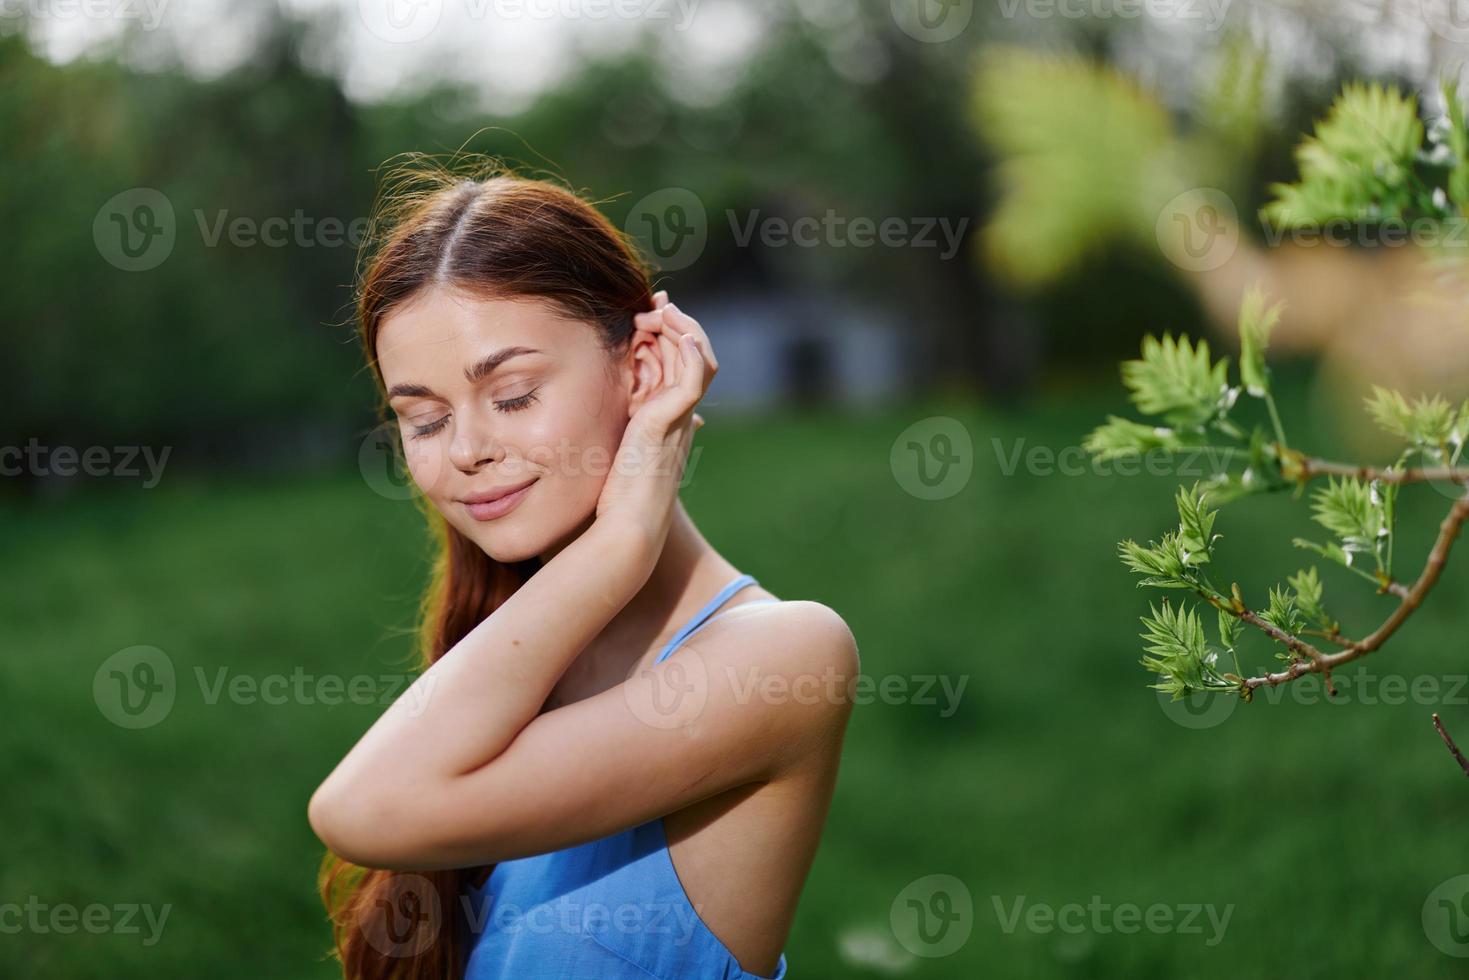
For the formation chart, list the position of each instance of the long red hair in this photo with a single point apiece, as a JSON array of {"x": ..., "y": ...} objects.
[{"x": 484, "y": 229}]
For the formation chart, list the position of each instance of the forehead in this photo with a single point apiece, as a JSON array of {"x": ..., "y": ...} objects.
[{"x": 449, "y": 328}]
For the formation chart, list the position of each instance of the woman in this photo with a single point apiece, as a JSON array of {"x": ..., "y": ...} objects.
[{"x": 569, "y": 789}]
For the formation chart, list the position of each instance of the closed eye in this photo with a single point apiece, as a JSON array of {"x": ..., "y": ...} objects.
[
  {"x": 419, "y": 431},
  {"x": 519, "y": 402},
  {"x": 508, "y": 405}
]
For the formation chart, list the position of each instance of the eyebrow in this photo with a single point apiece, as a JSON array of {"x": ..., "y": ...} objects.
[{"x": 475, "y": 373}]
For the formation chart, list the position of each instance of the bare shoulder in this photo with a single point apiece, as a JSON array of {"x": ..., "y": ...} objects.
[
  {"x": 789, "y": 636},
  {"x": 781, "y": 672}
]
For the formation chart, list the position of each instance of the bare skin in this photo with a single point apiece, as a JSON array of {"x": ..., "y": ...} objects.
[{"x": 544, "y": 727}]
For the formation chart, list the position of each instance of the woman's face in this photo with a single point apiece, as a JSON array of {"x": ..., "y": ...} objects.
[{"x": 498, "y": 394}]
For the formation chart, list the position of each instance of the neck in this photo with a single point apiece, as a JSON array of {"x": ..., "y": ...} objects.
[
  {"x": 688, "y": 571},
  {"x": 687, "y": 574}
]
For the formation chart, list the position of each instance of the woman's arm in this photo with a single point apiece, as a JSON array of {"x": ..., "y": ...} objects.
[
  {"x": 465, "y": 710},
  {"x": 448, "y": 774},
  {"x": 748, "y": 707}
]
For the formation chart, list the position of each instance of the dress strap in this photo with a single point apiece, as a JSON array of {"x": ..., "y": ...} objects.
[{"x": 703, "y": 616}]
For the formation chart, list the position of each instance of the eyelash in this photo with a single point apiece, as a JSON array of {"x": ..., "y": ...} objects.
[{"x": 509, "y": 405}]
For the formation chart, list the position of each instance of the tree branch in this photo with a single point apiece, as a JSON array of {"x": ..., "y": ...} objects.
[
  {"x": 1448, "y": 530},
  {"x": 1463, "y": 763},
  {"x": 1310, "y": 467}
]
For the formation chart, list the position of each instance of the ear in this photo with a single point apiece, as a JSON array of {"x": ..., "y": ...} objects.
[{"x": 646, "y": 363}]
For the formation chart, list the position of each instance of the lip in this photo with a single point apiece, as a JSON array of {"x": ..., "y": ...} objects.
[{"x": 496, "y": 503}]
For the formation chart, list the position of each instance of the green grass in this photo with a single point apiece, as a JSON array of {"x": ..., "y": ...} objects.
[{"x": 1057, "y": 779}]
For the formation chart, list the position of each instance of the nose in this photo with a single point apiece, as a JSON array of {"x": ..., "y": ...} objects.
[{"x": 473, "y": 443}]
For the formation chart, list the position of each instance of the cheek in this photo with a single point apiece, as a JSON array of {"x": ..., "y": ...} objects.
[
  {"x": 574, "y": 447},
  {"x": 428, "y": 463}
]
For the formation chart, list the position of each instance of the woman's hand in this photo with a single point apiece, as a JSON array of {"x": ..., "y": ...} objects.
[{"x": 643, "y": 484}]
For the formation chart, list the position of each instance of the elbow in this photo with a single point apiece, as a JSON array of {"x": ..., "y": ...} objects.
[
  {"x": 349, "y": 824},
  {"x": 326, "y": 815},
  {"x": 374, "y": 830}
]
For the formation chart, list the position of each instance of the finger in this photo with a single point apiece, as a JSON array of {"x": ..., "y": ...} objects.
[
  {"x": 691, "y": 380},
  {"x": 655, "y": 323},
  {"x": 668, "y": 350},
  {"x": 652, "y": 320},
  {"x": 672, "y": 357},
  {"x": 681, "y": 322},
  {"x": 660, "y": 299}
]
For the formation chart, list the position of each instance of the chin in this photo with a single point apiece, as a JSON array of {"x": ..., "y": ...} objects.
[
  {"x": 508, "y": 541},
  {"x": 504, "y": 544}
]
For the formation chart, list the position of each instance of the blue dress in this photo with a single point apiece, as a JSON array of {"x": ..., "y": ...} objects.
[{"x": 610, "y": 909}]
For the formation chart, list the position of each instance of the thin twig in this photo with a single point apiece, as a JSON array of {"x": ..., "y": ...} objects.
[
  {"x": 1448, "y": 530},
  {"x": 1443, "y": 733},
  {"x": 1312, "y": 467},
  {"x": 1335, "y": 636}
]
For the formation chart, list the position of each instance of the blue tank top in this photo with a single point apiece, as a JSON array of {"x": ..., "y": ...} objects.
[{"x": 610, "y": 909}]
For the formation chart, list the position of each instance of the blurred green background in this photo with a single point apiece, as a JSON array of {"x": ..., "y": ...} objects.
[{"x": 273, "y": 544}]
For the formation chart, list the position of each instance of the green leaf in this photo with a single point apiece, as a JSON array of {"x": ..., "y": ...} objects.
[
  {"x": 1260, "y": 474},
  {"x": 1177, "y": 653},
  {"x": 1256, "y": 322},
  {"x": 1175, "y": 379},
  {"x": 1196, "y": 525},
  {"x": 1308, "y": 594},
  {"x": 1230, "y": 628},
  {"x": 1358, "y": 164},
  {"x": 1165, "y": 565},
  {"x": 1331, "y": 550},
  {"x": 1282, "y": 612},
  {"x": 1353, "y": 511},
  {"x": 1457, "y": 136},
  {"x": 1056, "y": 205},
  {"x": 1426, "y": 421},
  {"x": 1124, "y": 437}
]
